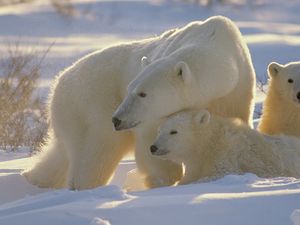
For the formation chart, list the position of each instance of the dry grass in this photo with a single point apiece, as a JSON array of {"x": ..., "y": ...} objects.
[
  {"x": 261, "y": 85},
  {"x": 13, "y": 2},
  {"x": 210, "y": 3},
  {"x": 64, "y": 8},
  {"x": 22, "y": 114}
]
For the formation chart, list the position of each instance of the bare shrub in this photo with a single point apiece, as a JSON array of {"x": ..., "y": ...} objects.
[
  {"x": 261, "y": 86},
  {"x": 64, "y": 8},
  {"x": 22, "y": 114},
  {"x": 205, "y": 2},
  {"x": 13, "y": 2},
  {"x": 210, "y": 3},
  {"x": 261, "y": 83}
]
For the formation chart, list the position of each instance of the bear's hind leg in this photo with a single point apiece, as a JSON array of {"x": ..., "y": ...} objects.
[{"x": 50, "y": 166}]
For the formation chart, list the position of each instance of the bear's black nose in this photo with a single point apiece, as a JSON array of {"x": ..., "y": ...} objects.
[
  {"x": 153, "y": 148},
  {"x": 298, "y": 95},
  {"x": 116, "y": 122}
]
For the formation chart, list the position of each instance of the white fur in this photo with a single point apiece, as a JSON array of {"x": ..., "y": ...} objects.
[
  {"x": 84, "y": 149},
  {"x": 202, "y": 65},
  {"x": 281, "y": 111},
  {"x": 210, "y": 147}
]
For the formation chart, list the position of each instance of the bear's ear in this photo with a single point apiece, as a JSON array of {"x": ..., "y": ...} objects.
[
  {"x": 182, "y": 71},
  {"x": 274, "y": 68},
  {"x": 144, "y": 61},
  {"x": 202, "y": 117}
]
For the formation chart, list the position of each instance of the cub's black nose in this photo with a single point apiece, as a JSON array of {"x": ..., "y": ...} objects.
[
  {"x": 116, "y": 122},
  {"x": 298, "y": 96},
  {"x": 153, "y": 148}
]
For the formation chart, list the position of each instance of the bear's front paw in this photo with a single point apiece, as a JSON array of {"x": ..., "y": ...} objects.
[{"x": 155, "y": 182}]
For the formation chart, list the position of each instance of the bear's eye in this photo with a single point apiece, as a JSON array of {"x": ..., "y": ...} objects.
[
  {"x": 142, "y": 94},
  {"x": 180, "y": 72},
  {"x": 291, "y": 81},
  {"x": 172, "y": 132}
]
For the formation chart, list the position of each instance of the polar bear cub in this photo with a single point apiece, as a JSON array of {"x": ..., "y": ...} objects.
[
  {"x": 210, "y": 147},
  {"x": 281, "y": 111}
]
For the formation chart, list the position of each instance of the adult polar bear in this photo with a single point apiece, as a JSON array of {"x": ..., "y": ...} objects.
[{"x": 204, "y": 64}]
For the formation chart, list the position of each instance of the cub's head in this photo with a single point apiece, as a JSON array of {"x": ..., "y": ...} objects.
[
  {"x": 162, "y": 88},
  {"x": 285, "y": 79},
  {"x": 178, "y": 135}
]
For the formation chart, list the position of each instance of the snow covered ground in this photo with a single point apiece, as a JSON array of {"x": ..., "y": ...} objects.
[
  {"x": 232, "y": 200},
  {"x": 272, "y": 31}
]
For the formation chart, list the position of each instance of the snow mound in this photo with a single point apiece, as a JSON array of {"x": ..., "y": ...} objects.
[
  {"x": 295, "y": 217},
  {"x": 234, "y": 200}
]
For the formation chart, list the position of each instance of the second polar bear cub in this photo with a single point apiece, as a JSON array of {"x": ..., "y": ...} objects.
[
  {"x": 211, "y": 147},
  {"x": 281, "y": 111}
]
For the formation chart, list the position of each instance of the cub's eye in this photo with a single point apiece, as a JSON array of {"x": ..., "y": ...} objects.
[
  {"x": 290, "y": 80},
  {"x": 142, "y": 94},
  {"x": 180, "y": 72},
  {"x": 172, "y": 132}
]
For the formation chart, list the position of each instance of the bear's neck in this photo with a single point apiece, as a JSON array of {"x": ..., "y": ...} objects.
[{"x": 279, "y": 116}]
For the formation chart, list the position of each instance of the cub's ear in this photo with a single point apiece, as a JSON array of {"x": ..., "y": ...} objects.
[
  {"x": 145, "y": 61},
  {"x": 274, "y": 68},
  {"x": 182, "y": 71},
  {"x": 202, "y": 117}
]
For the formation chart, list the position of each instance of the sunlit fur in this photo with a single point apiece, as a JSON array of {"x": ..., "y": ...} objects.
[
  {"x": 84, "y": 149},
  {"x": 217, "y": 74},
  {"x": 281, "y": 110},
  {"x": 211, "y": 147}
]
